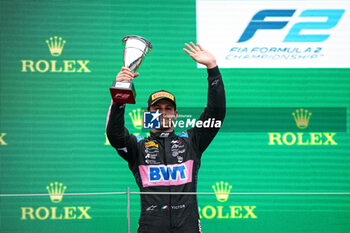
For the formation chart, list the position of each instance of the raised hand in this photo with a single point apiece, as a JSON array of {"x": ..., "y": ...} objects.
[
  {"x": 200, "y": 55},
  {"x": 126, "y": 75}
]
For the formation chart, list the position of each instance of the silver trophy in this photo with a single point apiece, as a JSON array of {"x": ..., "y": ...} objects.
[{"x": 136, "y": 48}]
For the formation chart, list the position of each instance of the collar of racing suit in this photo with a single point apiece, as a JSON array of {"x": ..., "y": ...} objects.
[{"x": 163, "y": 134}]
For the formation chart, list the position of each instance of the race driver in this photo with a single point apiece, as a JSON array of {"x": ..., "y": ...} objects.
[{"x": 165, "y": 161}]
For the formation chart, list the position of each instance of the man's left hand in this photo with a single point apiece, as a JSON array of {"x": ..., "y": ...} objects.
[{"x": 200, "y": 55}]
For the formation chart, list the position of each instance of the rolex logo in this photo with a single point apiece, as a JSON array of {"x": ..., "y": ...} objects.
[
  {"x": 56, "y": 192},
  {"x": 136, "y": 118},
  {"x": 225, "y": 211},
  {"x": 55, "y": 45},
  {"x": 222, "y": 191},
  {"x": 53, "y": 212},
  {"x": 302, "y": 118},
  {"x": 2, "y": 141}
]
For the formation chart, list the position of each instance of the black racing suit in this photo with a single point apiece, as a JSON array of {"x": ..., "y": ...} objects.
[{"x": 166, "y": 162}]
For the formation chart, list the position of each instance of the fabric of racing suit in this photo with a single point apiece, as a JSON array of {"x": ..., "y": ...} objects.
[{"x": 166, "y": 162}]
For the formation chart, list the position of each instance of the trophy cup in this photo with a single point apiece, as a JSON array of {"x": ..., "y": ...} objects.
[{"x": 135, "y": 49}]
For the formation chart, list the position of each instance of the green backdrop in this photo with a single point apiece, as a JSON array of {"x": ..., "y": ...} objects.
[{"x": 52, "y": 124}]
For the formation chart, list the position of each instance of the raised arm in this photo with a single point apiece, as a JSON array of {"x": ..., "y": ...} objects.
[
  {"x": 117, "y": 134},
  {"x": 216, "y": 101}
]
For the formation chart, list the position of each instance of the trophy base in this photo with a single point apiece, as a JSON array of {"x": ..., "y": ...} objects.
[{"x": 123, "y": 92}]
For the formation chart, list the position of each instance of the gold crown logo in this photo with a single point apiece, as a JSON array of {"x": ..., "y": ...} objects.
[
  {"x": 55, "y": 45},
  {"x": 136, "y": 118},
  {"x": 56, "y": 192},
  {"x": 222, "y": 191},
  {"x": 302, "y": 118}
]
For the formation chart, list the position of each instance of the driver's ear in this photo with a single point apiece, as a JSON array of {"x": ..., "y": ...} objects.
[{"x": 176, "y": 115}]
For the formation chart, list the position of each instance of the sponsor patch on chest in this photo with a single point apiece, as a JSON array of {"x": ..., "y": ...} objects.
[
  {"x": 166, "y": 175},
  {"x": 150, "y": 144}
]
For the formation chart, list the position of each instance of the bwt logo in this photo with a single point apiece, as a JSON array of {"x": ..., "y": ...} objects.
[
  {"x": 167, "y": 173},
  {"x": 294, "y": 35}
]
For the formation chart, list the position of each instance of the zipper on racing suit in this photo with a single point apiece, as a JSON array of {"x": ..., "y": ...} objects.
[{"x": 168, "y": 152}]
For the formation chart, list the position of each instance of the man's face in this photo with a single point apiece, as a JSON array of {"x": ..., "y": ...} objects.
[{"x": 166, "y": 108}]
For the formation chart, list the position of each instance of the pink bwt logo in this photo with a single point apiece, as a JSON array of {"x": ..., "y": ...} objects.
[{"x": 166, "y": 175}]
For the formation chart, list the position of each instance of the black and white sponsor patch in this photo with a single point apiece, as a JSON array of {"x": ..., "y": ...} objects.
[
  {"x": 123, "y": 149},
  {"x": 152, "y": 162},
  {"x": 152, "y": 150},
  {"x": 151, "y": 208},
  {"x": 164, "y": 135},
  {"x": 151, "y": 156},
  {"x": 176, "y": 207},
  {"x": 214, "y": 82}
]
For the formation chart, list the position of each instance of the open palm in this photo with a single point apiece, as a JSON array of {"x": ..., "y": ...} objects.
[{"x": 200, "y": 55}]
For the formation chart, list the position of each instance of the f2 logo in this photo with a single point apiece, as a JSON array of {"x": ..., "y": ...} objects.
[{"x": 258, "y": 23}]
